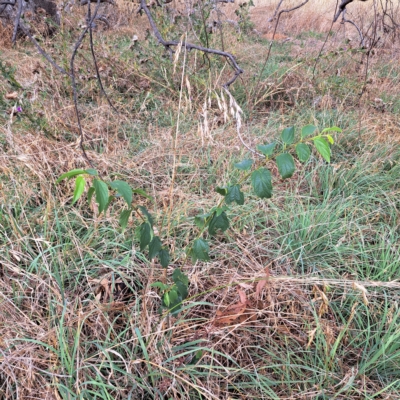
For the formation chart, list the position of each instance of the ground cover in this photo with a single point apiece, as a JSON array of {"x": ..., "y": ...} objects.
[{"x": 300, "y": 297}]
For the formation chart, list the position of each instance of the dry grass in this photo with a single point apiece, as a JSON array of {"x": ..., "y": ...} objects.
[{"x": 78, "y": 316}]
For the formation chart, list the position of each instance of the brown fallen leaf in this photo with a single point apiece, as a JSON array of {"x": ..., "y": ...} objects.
[
  {"x": 11, "y": 96},
  {"x": 262, "y": 283}
]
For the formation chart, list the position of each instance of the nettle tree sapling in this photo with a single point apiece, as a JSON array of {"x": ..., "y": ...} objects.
[{"x": 282, "y": 152}]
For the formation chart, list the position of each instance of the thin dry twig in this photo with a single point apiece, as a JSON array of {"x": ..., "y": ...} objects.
[
  {"x": 99, "y": 81},
  {"x": 89, "y": 22}
]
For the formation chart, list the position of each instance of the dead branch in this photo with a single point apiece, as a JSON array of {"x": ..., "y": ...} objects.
[
  {"x": 191, "y": 46},
  {"x": 99, "y": 81},
  {"x": 352, "y": 23},
  {"x": 89, "y": 21},
  {"x": 341, "y": 8},
  {"x": 17, "y": 21}
]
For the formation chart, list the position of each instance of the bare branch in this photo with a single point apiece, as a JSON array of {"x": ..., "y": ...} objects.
[
  {"x": 341, "y": 8},
  {"x": 41, "y": 51},
  {"x": 352, "y": 23},
  {"x": 191, "y": 46},
  {"x": 95, "y": 61},
  {"x": 276, "y": 11},
  {"x": 17, "y": 21},
  {"x": 89, "y": 22}
]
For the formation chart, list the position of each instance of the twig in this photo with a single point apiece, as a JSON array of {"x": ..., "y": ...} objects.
[
  {"x": 276, "y": 11},
  {"x": 190, "y": 46},
  {"x": 41, "y": 51},
  {"x": 78, "y": 43},
  {"x": 324, "y": 44},
  {"x": 17, "y": 21},
  {"x": 95, "y": 61},
  {"x": 352, "y": 23},
  {"x": 341, "y": 9}
]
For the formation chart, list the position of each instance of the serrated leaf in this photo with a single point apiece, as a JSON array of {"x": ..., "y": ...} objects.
[
  {"x": 71, "y": 174},
  {"x": 144, "y": 235},
  {"x": 331, "y": 129},
  {"x": 179, "y": 276},
  {"x": 303, "y": 152},
  {"x": 160, "y": 285},
  {"x": 221, "y": 190},
  {"x": 123, "y": 189},
  {"x": 154, "y": 247},
  {"x": 330, "y": 139},
  {"x": 308, "y": 130},
  {"x": 141, "y": 192},
  {"x": 200, "y": 220},
  {"x": 200, "y": 250},
  {"x": 101, "y": 194},
  {"x": 163, "y": 256},
  {"x": 267, "y": 149},
  {"x": 261, "y": 182},
  {"x": 79, "y": 188},
  {"x": 124, "y": 217},
  {"x": 90, "y": 194},
  {"x": 182, "y": 290},
  {"x": 147, "y": 215},
  {"x": 244, "y": 165},
  {"x": 323, "y": 148},
  {"x": 286, "y": 165},
  {"x": 234, "y": 194},
  {"x": 218, "y": 222},
  {"x": 287, "y": 135}
]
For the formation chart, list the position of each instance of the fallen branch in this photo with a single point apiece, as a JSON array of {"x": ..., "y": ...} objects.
[{"x": 190, "y": 46}]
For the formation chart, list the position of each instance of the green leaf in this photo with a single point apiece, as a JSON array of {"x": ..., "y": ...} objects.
[
  {"x": 160, "y": 285},
  {"x": 144, "y": 235},
  {"x": 90, "y": 194},
  {"x": 141, "y": 192},
  {"x": 200, "y": 220},
  {"x": 221, "y": 190},
  {"x": 218, "y": 222},
  {"x": 91, "y": 171},
  {"x": 101, "y": 194},
  {"x": 154, "y": 247},
  {"x": 287, "y": 135},
  {"x": 182, "y": 289},
  {"x": 303, "y": 152},
  {"x": 166, "y": 299},
  {"x": 147, "y": 215},
  {"x": 285, "y": 164},
  {"x": 261, "y": 182},
  {"x": 308, "y": 130},
  {"x": 323, "y": 148},
  {"x": 267, "y": 149},
  {"x": 234, "y": 194},
  {"x": 330, "y": 139},
  {"x": 174, "y": 301},
  {"x": 200, "y": 250},
  {"x": 71, "y": 174},
  {"x": 244, "y": 165},
  {"x": 331, "y": 129},
  {"x": 123, "y": 189},
  {"x": 79, "y": 188},
  {"x": 179, "y": 276},
  {"x": 163, "y": 256},
  {"x": 124, "y": 217}
]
